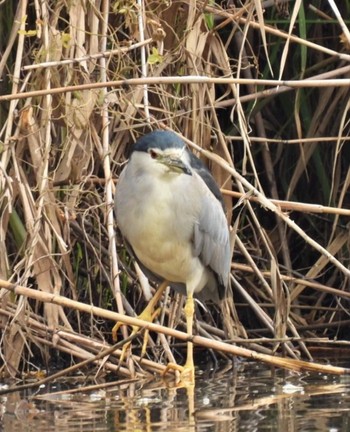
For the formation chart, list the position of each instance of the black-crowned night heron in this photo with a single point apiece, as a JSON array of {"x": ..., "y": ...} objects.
[{"x": 170, "y": 212}]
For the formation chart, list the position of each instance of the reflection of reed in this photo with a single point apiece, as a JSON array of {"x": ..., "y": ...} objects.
[
  {"x": 255, "y": 403},
  {"x": 129, "y": 404},
  {"x": 240, "y": 397}
]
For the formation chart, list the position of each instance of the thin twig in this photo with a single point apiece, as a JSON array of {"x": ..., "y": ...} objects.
[{"x": 105, "y": 54}]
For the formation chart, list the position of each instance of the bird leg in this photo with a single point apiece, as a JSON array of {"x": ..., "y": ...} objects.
[
  {"x": 186, "y": 371},
  {"x": 148, "y": 314}
]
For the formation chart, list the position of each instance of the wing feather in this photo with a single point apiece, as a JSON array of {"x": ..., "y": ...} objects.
[{"x": 211, "y": 239}]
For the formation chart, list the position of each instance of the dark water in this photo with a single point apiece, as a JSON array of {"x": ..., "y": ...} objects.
[{"x": 249, "y": 397}]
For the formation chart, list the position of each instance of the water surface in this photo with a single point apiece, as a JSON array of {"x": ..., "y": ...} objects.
[{"x": 247, "y": 397}]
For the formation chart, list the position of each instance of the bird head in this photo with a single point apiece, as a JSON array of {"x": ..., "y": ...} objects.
[{"x": 162, "y": 152}]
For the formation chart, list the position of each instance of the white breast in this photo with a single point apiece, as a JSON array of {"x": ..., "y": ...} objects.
[{"x": 159, "y": 225}]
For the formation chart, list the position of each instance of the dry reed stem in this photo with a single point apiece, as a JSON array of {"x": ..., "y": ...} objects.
[
  {"x": 268, "y": 204},
  {"x": 255, "y": 139},
  {"x": 292, "y": 205},
  {"x": 205, "y": 82},
  {"x": 297, "y": 365},
  {"x": 202, "y": 79},
  {"x": 81, "y": 347},
  {"x": 299, "y": 281},
  {"x": 90, "y": 57}
]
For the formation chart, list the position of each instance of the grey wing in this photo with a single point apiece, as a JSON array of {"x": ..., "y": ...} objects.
[{"x": 211, "y": 240}]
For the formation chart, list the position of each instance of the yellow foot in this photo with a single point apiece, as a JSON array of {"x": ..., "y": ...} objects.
[
  {"x": 187, "y": 375},
  {"x": 147, "y": 315}
]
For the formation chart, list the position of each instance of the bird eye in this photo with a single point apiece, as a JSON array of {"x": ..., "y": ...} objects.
[{"x": 153, "y": 154}]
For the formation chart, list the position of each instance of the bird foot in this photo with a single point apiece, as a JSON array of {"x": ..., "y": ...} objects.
[
  {"x": 187, "y": 375},
  {"x": 147, "y": 315}
]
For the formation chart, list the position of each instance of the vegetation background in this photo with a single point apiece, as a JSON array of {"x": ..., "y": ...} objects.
[{"x": 261, "y": 86}]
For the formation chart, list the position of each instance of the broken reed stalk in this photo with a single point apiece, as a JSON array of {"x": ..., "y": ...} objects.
[{"x": 292, "y": 364}]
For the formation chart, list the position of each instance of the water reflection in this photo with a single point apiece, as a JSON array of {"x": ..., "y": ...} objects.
[{"x": 248, "y": 397}]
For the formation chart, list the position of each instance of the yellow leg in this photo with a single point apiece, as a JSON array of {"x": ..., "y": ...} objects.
[
  {"x": 148, "y": 314},
  {"x": 186, "y": 371}
]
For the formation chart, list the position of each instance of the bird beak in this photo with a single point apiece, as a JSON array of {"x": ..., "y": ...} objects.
[{"x": 175, "y": 164}]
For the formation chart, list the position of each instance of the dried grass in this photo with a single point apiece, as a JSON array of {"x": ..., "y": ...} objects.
[{"x": 82, "y": 80}]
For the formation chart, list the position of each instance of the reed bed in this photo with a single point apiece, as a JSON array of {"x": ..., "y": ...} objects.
[{"x": 258, "y": 89}]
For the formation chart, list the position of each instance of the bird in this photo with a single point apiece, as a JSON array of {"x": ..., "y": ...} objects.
[{"x": 171, "y": 214}]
